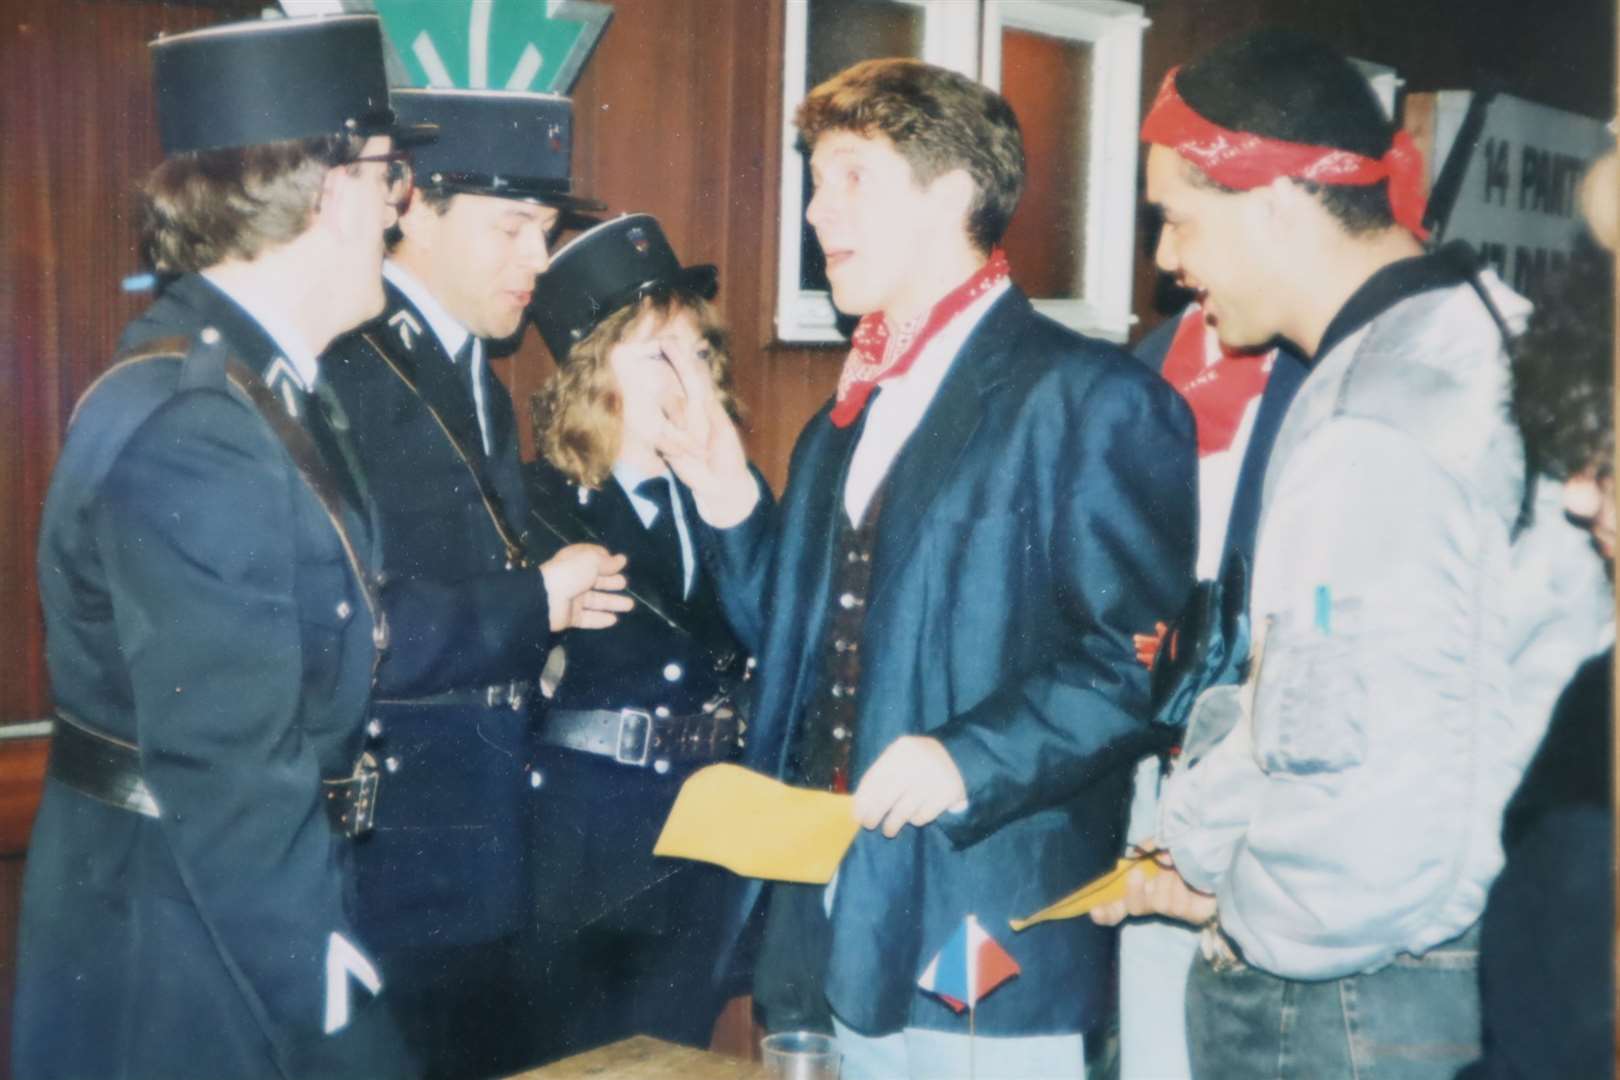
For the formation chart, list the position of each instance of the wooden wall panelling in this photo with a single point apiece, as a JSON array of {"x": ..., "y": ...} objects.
[{"x": 676, "y": 115}]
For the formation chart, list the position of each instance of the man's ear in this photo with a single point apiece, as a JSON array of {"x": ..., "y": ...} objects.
[
  {"x": 954, "y": 192},
  {"x": 329, "y": 204},
  {"x": 1285, "y": 207},
  {"x": 417, "y": 221}
]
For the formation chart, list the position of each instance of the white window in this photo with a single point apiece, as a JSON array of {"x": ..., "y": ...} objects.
[{"x": 1071, "y": 69}]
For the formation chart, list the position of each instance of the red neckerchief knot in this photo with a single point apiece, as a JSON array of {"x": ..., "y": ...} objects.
[
  {"x": 1242, "y": 160},
  {"x": 875, "y": 356}
]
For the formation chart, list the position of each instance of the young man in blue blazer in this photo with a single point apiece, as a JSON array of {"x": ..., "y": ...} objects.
[{"x": 945, "y": 597}]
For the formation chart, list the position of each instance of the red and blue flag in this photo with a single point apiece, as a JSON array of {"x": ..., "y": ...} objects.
[{"x": 969, "y": 966}]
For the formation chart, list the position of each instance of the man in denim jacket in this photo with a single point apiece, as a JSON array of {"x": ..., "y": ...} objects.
[{"x": 1334, "y": 820}]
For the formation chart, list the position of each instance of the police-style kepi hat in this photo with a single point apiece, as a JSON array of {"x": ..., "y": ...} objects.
[
  {"x": 248, "y": 83},
  {"x": 604, "y": 269},
  {"x": 511, "y": 144}
]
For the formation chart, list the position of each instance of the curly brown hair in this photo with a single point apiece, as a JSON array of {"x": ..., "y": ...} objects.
[
  {"x": 578, "y": 416},
  {"x": 1563, "y": 370},
  {"x": 202, "y": 207},
  {"x": 938, "y": 120}
]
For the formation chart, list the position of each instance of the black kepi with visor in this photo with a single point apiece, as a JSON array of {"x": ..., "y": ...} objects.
[
  {"x": 250, "y": 83},
  {"x": 604, "y": 269},
  {"x": 507, "y": 143}
]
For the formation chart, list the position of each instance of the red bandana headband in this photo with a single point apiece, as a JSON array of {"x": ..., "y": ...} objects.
[
  {"x": 1242, "y": 160},
  {"x": 873, "y": 358}
]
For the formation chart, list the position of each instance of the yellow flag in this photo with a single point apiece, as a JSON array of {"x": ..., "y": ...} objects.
[
  {"x": 758, "y": 827},
  {"x": 1102, "y": 890}
]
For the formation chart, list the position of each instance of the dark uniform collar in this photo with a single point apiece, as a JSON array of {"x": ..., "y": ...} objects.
[
  {"x": 418, "y": 311},
  {"x": 1398, "y": 281}
]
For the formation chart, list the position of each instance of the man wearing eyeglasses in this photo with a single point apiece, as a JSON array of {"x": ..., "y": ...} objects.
[
  {"x": 442, "y": 879},
  {"x": 206, "y": 566}
]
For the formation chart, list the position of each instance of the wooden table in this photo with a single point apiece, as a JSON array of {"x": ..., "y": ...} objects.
[{"x": 644, "y": 1058}]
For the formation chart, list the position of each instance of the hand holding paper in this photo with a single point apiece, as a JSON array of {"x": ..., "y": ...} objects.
[
  {"x": 1107, "y": 889},
  {"x": 758, "y": 827}
]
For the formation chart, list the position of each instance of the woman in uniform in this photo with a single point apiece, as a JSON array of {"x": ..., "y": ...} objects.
[{"x": 628, "y": 941}]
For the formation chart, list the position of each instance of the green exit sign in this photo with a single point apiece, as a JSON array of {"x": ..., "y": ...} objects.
[{"x": 481, "y": 44}]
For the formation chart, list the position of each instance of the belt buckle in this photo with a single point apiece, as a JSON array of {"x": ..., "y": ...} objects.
[
  {"x": 512, "y": 695},
  {"x": 635, "y": 734}
]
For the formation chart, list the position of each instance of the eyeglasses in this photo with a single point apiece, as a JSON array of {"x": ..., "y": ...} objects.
[{"x": 396, "y": 173}]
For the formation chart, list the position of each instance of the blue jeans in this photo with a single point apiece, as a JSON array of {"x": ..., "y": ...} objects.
[{"x": 1416, "y": 1019}]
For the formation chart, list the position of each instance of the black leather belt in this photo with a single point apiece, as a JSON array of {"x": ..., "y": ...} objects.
[
  {"x": 514, "y": 695},
  {"x": 108, "y": 769},
  {"x": 640, "y": 738}
]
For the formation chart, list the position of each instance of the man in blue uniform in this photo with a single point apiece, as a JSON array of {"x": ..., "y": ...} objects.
[
  {"x": 212, "y": 623},
  {"x": 443, "y": 886}
]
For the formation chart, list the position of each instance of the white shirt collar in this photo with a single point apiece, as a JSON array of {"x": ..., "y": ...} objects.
[
  {"x": 902, "y": 401},
  {"x": 630, "y": 477},
  {"x": 287, "y": 340},
  {"x": 451, "y": 334}
]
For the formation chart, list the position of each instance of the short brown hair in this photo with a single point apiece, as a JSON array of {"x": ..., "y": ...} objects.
[
  {"x": 578, "y": 415},
  {"x": 437, "y": 199},
  {"x": 205, "y": 206},
  {"x": 938, "y": 120}
]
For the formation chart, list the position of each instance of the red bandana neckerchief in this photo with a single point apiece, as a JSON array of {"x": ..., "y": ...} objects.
[
  {"x": 1242, "y": 160},
  {"x": 874, "y": 356},
  {"x": 1217, "y": 383}
]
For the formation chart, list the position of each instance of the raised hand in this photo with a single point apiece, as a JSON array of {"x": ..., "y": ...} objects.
[{"x": 702, "y": 445}]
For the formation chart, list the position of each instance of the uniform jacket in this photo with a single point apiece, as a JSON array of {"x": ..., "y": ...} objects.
[
  {"x": 641, "y": 661},
  {"x": 1351, "y": 814},
  {"x": 444, "y": 863},
  {"x": 598, "y": 819},
  {"x": 1041, "y": 514},
  {"x": 198, "y": 603}
]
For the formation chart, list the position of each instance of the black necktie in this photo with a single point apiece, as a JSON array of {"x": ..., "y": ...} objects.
[
  {"x": 470, "y": 374},
  {"x": 329, "y": 427},
  {"x": 670, "y": 571}
]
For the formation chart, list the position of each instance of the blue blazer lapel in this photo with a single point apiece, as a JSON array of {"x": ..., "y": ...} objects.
[{"x": 931, "y": 454}]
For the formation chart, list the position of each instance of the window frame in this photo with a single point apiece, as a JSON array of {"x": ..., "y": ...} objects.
[{"x": 967, "y": 38}]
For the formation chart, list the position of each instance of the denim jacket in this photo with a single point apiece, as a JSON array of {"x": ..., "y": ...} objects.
[{"x": 1344, "y": 804}]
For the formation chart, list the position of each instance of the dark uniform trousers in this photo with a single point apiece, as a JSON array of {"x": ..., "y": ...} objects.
[
  {"x": 199, "y": 605},
  {"x": 442, "y": 879},
  {"x": 627, "y": 943}
]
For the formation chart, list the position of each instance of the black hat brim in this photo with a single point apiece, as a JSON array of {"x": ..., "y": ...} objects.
[
  {"x": 408, "y": 135},
  {"x": 513, "y": 188}
]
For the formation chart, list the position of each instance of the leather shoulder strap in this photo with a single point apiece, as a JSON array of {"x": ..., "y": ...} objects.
[
  {"x": 317, "y": 475},
  {"x": 169, "y": 348},
  {"x": 515, "y": 555},
  {"x": 125, "y": 417}
]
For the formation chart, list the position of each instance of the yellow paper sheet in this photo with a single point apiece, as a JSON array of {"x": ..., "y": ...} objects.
[
  {"x": 1101, "y": 890},
  {"x": 758, "y": 827}
]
